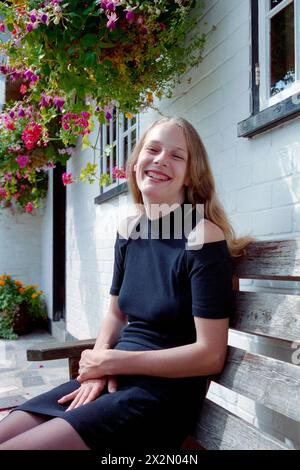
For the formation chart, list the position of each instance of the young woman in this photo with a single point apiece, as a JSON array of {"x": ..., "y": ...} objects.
[{"x": 165, "y": 331}]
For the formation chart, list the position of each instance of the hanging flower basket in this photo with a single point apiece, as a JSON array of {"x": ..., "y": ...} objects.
[
  {"x": 113, "y": 51},
  {"x": 78, "y": 60}
]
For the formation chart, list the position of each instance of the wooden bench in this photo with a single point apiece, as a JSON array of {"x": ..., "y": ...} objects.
[{"x": 271, "y": 384}]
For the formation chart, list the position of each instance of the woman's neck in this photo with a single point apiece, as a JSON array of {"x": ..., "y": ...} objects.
[{"x": 156, "y": 209}]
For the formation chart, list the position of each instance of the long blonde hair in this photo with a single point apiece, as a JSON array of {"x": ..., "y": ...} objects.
[{"x": 201, "y": 189}]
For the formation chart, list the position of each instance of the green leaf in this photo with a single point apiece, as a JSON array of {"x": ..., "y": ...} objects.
[
  {"x": 106, "y": 45},
  {"x": 89, "y": 40},
  {"x": 85, "y": 143},
  {"x": 91, "y": 59}
]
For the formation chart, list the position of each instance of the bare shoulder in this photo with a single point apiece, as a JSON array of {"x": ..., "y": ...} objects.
[
  {"x": 205, "y": 232},
  {"x": 127, "y": 224},
  {"x": 212, "y": 232}
]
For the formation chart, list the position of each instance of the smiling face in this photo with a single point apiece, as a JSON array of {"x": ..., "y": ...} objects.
[{"x": 161, "y": 168}]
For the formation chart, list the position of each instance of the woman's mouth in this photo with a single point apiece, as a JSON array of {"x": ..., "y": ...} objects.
[{"x": 157, "y": 176}]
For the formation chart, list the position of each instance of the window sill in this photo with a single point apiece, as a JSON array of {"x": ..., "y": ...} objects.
[
  {"x": 112, "y": 193},
  {"x": 271, "y": 117}
]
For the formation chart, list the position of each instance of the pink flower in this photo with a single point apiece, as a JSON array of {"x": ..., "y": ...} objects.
[
  {"x": 2, "y": 27},
  {"x": 45, "y": 101},
  {"x": 104, "y": 4},
  {"x": 67, "y": 178},
  {"x": 108, "y": 112},
  {"x": 3, "y": 193},
  {"x": 28, "y": 74},
  {"x": 58, "y": 102},
  {"x": 112, "y": 20},
  {"x": 23, "y": 89},
  {"x": 7, "y": 177},
  {"x": 44, "y": 18},
  {"x": 22, "y": 160},
  {"x": 112, "y": 4},
  {"x": 21, "y": 112},
  {"x": 9, "y": 124},
  {"x": 119, "y": 173},
  {"x": 130, "y": 15},
  {"x": 29, "y": 207},
  {"x": 85, "y": 114},
  {"x": 33, "y": 17}
]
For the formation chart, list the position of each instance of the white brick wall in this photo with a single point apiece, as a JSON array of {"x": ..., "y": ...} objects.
[
  {"x": 20, "y": 246},
  {"x": 91, "y": 232}
]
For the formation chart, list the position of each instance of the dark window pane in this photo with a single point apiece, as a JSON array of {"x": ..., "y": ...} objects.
[
  {"x": 125, "y": 148},
  {"x": 114, "y": 124},
  {"x": 133, "y": 120},
  {"x": 125, "y": 123},
  {"x": 133, "y": 139},
  {"x": 282, "y": 50},
  {"x": 107, "y": 135},
  {"x": 274, "y": 3},
  {"x": 114, "y": 157}
]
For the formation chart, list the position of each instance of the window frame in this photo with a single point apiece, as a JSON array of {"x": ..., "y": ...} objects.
[
  {"x": 283, "y": 109},
  {"x": 120, "y": 186}
]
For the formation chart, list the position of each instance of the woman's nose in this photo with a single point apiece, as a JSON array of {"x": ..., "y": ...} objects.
[{"x": 160, "y": 157}]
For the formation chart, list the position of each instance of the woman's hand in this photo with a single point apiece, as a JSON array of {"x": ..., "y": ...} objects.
[
  {"x": 92, "y": 364},
  {"x": 88, "y": 391}
]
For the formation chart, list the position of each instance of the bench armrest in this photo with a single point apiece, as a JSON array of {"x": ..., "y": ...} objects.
[{"x": 71, "y": 350}]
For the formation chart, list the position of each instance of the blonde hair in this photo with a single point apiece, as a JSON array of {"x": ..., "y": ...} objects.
[{"x": 201, "y": 189}]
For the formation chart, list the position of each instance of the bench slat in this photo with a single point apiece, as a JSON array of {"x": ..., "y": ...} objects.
[
  {"x": 50, "y": 351},
  {"x": 272, "y": 383},
  {"x": 267, "y": 314},
  {"x": 270, "y": 260},
  {"x": 218, "y": 429}
]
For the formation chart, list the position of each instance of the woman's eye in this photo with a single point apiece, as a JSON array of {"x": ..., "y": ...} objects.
[
  {"x": 152, "y": 149},
  {"x": 178, "y": 156}
]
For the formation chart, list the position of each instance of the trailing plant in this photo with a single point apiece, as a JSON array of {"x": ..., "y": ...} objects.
[{"x": 79, "y": 60}]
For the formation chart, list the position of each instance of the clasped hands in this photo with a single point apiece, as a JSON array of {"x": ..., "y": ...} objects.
[{"x": 92, "y": 377}]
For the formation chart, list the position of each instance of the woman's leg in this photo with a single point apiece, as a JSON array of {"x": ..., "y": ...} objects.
[
  {"x": 55, "y": 434},
  {"x": 18, "y": 422}
]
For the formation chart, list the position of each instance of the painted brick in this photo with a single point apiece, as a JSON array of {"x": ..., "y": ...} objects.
[
  {"x": 286, "y": 191},
  {"x": 275, "y": 166},
  {"x": 254, "y": 198},
  {"x": 274, "y": 221},
  {"x": 297, "y": 218}
]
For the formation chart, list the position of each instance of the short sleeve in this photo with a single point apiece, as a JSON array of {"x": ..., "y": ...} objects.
[
  {"x": 210, "y": 273},
  {"x": 119, "y": 261}
]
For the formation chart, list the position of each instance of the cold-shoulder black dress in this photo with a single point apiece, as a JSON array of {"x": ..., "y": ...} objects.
[{"x": 161, "y": 286}]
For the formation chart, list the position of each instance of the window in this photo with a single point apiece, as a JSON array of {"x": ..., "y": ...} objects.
[
  {"x": 118, "y": 139},
  {"x": 279, "y": 29},
  {"x": 275, "y": 65}
]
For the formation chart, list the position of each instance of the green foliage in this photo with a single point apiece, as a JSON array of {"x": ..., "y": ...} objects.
[
  {"x": 77, "y": 61},
  {"x": 75, "y": 52}
]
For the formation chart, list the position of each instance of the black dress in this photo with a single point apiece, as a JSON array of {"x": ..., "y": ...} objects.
[{"x": 161, "y": 285}]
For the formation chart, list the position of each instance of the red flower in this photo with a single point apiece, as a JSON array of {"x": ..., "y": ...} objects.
[
  {"x": 23, "y": 89},
  {"x": 29, "y": 207},
  {"x": 67, "y": 178},
  {"x": 31, "y": 134}
]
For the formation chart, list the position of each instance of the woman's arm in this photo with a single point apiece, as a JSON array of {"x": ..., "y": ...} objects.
[
  {"x": 204, "y": 357},
  {"x": 111, "y": 326}
]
